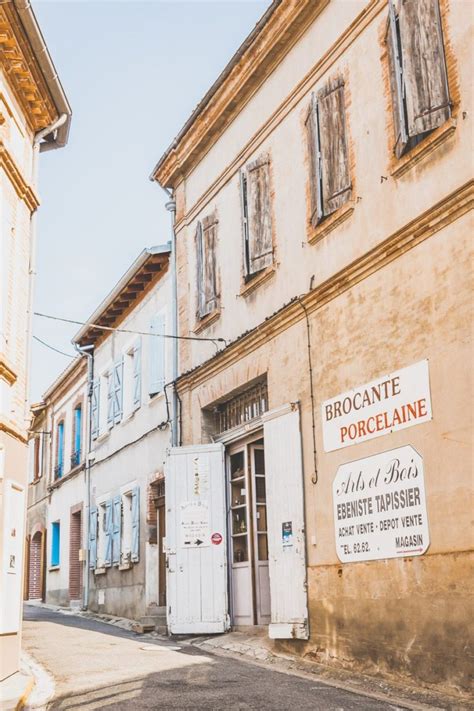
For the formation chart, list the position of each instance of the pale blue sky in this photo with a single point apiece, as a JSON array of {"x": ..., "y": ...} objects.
[{"x": 133, "y": 72}]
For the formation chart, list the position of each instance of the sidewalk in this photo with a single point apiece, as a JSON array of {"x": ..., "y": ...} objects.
[{"x": 15, "y": 690}]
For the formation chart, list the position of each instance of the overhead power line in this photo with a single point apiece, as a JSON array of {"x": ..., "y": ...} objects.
[
  {"x": 128, "y": 330},
  {"x": 68, "y": 355}
]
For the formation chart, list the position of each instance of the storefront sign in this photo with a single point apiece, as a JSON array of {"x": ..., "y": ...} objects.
[
  {"x": 380, "y": 508},
  {"x": 390, "y": 403},
  {"x": 194, "y": 526}
]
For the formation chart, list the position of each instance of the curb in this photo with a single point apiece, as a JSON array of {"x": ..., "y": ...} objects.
[
  {"x": 21, "y": 703},
  {"x": 42, "y": 686}
]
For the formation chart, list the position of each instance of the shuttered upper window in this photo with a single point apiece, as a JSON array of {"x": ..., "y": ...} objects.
[
  {"x": 418, "y": 77},
  {"x": 206, "y": 239},
  {"x": 327, "y": 142},
  {"x": 257, "y": 220}
]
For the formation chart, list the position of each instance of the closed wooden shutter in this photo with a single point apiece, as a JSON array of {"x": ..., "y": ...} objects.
[
  {"x": 396, "y": 82},
  {"x": 118, "y": 391},
  {"x": 93, "y": 537},
  {"x": 335, "y": 177},
  {"x": 137, "y": 374},
  {"x": 259, "y": 221},
  {"x": 75, "y": 565},
  {"x": 116, "y": 530},
  {"x": 205, "y": 242},
  {"x": 424, "y": 66},
  {"x": 135, "y": 524},
  {"x": 312, "y": 137},
  {"x": 199, "y": 244},
  {"x": 108, "y": 533},
  {"x": 110, "y": 399},
  {"x": 95, "y": 409}
]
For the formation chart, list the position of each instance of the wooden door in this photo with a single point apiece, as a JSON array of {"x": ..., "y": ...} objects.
[
  {"x": 161, "y": 527},
  {"x": 35, "y": 577},
  {"x": 259, "y": 534},
  {"x": 75, "y": 565}
]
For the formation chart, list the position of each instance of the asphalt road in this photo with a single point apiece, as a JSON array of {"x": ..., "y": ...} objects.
[{"x": 97, "y": 666}]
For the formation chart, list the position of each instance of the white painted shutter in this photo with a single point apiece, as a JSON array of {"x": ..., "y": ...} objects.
[
  {"x": 110, "y": 399},
  {"x": 108, "y": 532},
  {"x": 118, "y": 391},
  {"x": 93, "y": 537},
  {"x": 135, "y": 524},
  {"x": 137, "y": 374},
  {"x": 285, "y": 511},
  {"x": 95, "y": 409},
  {"x": 197, "y": 567}
]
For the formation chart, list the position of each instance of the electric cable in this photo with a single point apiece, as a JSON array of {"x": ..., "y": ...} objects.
[{"x": 56, "y": 350}]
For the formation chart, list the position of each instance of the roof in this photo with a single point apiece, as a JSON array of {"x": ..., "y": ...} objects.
[{"x": 144, "y": 273}]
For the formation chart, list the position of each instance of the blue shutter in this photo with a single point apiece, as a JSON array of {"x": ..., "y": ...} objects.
[
  {"x": 95, "y": 409},
  {"x": 93, "y": 537},
  {"x": 60, "y": 468},
  {"x": 77, "y": 434},
  {"x": 108, "y": 533},
  {"x": 55, "y": 544},
  {"x": 137, "y": 374},
  {"x": 116, "y": 530},
  {"x": 136, "y": 524},
  {"x": 118, "y": 391},
  {"x": 110, "y": 399},
  {"x": 157, "y": 354}
]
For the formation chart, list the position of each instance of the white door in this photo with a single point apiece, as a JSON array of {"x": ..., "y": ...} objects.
[
  {"x": 286, "y": 528},
  {"x": 196, "y": 540}
]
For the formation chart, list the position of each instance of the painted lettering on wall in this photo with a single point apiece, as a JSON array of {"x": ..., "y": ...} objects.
[
  {"x": 390, "y": 403},
  {"x": 380, "y": 508}
]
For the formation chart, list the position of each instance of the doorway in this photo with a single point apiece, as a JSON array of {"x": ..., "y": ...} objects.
[
  {"x": 75, "y": 564},
  {"x": 248, "y": 535},
  {"x": 161, "y": 535},
  {"x": 35, "y": 577}
]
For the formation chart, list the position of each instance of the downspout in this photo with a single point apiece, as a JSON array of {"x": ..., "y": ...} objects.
[
  {"x": 52, "y": 128},
  {"x": 171, "y": 207},
  {"x": 86, "y": 351},
  {"x": 31, "y": 278}
]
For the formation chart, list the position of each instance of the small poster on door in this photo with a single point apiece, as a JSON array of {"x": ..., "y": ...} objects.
[
  {"x": 287, "y": 534},
  {"x": 194, "y": 524}
]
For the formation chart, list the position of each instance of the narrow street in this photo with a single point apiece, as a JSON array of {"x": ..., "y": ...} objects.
[{"x": 96, "y": 666}]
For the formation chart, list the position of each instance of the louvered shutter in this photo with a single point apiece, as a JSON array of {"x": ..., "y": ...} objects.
[
  {"x": 396, "y": 82},
  {"x": 118, "y": 391},
  {"x": 199, "y": 244},
  {"x": 424, "y": 66},
  {"x": 209, "y": 265},
  {"x": 108, "y": 533},
  {"x": 110, "y": 399},
  {"x": 95, "y": 409},
  {"x": 335, "y": 177},
  {"x": 135, "y": 524},
  {"x": 312, "y": 136},
  {"x": 259, "y": 222},
  {"x": 157, "y": 354},
  {"x": 116, "y": 529},
  {"x": 137, "y": 374},
  {"x": 93, "y": 537}
]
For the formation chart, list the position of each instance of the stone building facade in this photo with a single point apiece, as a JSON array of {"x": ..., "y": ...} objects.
[
  {"x": 34, "y": 116},
  {"x": 323, "y": 193}
]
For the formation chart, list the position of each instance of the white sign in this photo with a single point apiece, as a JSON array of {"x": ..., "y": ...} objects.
[
  {"x": 194, "y": 524},
  {"x": 390, "y": 403},
  {"x": 380, "y": 508},
  {"x": 12, "y": 564}
]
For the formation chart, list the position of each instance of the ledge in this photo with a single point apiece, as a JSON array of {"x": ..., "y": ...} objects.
[
  {"x": 206, "y": 321},
  {"x": 424, "y": 149},
  {"x": 13, "y": 430},
  {"x": 260, "y": 278},
  {"x": 100, "y": 571},
  {"x": 53, "y": 568},
  {"x": 330, "y": 223},
  {"x": 7, "y": 372},
  {"x": 125, "y": 566}
]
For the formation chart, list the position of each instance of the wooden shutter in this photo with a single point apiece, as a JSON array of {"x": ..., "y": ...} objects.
[
  {"x": 312, "y": 136},
  {"x": 137, "y": 374},
  {"x": 95, "y": 409},
  {"x": 259, "y": 221},
  {"x": 424, "y": 66},
  {"x": 157, "y": 354},
  {"x": 110, "y": 399},
  {"x": 116, "y": 529},
  {"x": 108, "y": 533},
  {"x": 209, "y": 285},
  {"x": 335, "y": 177},
  {"x": 135, "y": 524},
  {"x": 93, "y": 537},
  {"x": 396, "y": 82},
  {"x": 199, "y": 244},
  {"x": 118, "y": 390}
]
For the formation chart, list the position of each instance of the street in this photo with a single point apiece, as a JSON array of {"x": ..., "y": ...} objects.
[{"x": 96, "y": 665}]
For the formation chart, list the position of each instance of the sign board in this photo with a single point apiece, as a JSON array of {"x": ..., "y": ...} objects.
[
  {"x": 194, "y": 524},
  {"x": 390, "y": 403},
  {"x": 11, "y": 575},
  {"x": 380, "y": 508}
]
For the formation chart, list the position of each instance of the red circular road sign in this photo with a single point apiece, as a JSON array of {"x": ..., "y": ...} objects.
[{"x": 216, "y": 538}]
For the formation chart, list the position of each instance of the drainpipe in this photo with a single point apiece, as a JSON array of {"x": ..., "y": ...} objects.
[
  {"x": 171, "y": 207},
  {"x": 88, "y": 351},
  {"x": 51, "y": 129}
]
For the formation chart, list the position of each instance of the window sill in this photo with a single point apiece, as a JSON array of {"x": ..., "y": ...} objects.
[
  {"x": 423, "y": 149},
  {"x": 256, "y": 281},
  {"x": 100, "y": 571},
  {"x": 125, "y": 566},
  {"x": 53, "y": 568},
  {"x": 207, "y": 320},
  {"x": 156, "y": 397},
  {"x": 102, "y": 437},
  {"x": 330, "y": 223}
]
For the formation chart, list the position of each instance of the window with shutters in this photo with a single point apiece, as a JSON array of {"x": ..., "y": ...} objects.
[
  {"x": 59, "y": 467},
  {"x": 256, "y": 217},
  {"x": 130, "y": 530},
  {"x": 55, "y": 544},
  {"x": 132, "y": 379},
  {"x": 418, "y": 75},
  {"x": 330, "y": 179},
  {"x": 206, "y": 277}
]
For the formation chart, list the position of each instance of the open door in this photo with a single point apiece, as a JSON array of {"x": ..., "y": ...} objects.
[
  {"x": 196, "y": 540},
  {"x": 286, "y": 528}
]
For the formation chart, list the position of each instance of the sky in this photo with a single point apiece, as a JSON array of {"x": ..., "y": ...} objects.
[{"x": 133, "y": 72}]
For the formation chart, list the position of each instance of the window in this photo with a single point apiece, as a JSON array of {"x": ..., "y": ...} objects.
[
  {"x": 157, "y": 354},
  {"x": 77, "y": 438},
  {"x": 115, "y": 394},
  {"x": 418, "y": 77},
  {"x": 257, "y": 221},
  {"x": 206, "y": 238},
  {"x": 55, "y": 544},
  {"x": 132, "y": 379},
  {"x": 59, "y": 468},
  {"x": 37, "y": 456},
  {"x": 327, "y": 142},
  {"x": 95, "y": 409},
  {"x": 130, "y": 533}
]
